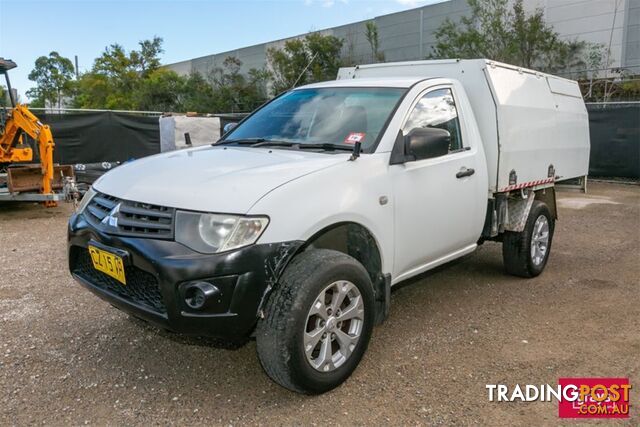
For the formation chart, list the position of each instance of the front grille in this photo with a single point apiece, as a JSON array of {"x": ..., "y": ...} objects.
[
  {"x": 141, "y": 288},
  {"x": 126, "y": 218}
]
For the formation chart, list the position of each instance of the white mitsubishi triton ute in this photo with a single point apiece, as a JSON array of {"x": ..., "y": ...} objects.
[{"x": 296, "y": 224}]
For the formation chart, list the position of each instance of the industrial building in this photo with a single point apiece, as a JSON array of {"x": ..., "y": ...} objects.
[{"x": 409, "y": 35}]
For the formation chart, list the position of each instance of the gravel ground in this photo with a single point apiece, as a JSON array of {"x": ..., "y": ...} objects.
[{"x": 67, "y": 357}]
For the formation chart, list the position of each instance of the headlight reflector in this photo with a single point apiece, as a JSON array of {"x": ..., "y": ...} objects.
[{"x": 211, "y": 233}]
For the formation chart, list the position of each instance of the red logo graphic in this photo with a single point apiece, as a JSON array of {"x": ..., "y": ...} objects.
[
  {"x": 595, "y": 398},
  {"x": 354, "y": 137}
]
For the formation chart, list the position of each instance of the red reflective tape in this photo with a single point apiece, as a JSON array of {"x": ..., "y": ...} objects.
[{"x": 527, "y": 184}]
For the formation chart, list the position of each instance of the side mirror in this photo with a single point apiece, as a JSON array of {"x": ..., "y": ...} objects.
[
  {"x": 228, "y": 127},
  {"x": 426, "y": 143}
]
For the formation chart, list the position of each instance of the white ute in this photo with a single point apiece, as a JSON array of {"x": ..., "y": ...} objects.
[{"x": 295, "y": 225}]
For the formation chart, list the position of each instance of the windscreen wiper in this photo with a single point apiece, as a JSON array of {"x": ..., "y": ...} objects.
[
  {"x": 262, "y": 142},
  {"x": 271, "y": 143},
  {"x": 327, "y": 146},
  {"x": 242, "y": 141}
]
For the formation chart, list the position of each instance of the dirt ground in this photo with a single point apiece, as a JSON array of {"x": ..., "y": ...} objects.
[{"x": 67, "y": 357}]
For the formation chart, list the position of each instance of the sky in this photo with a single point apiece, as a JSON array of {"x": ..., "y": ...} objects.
[{"x": 190, "y": 28}]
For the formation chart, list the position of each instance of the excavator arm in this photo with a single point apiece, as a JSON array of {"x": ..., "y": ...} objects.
[
  {"x": 12, "y": 149},
  {"x": 19, "y": 122}
]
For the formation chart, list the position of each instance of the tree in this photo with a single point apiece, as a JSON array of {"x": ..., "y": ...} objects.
[
  {"x": 148, "y": 57},
  {"x": 162, "y": 90},
  {"x": 258, "y": 82},
  {"x": 288, "y": 65},
  {"x": 301, "y": 61},
  {"x": 234, "y": 91},
  {"x": 53, "y": 75},
  {"x": 95, "y": 91},
  {"x": 3, "y": 96},
  {"x": 506, "y": 34},
  {"x": 371, "y": 33},
  {"x": 596, "y": 59},
  {"x": 117, "y": 76},
  {"x": 198, "y": 94},
  {"x": 326, "y": 51}
]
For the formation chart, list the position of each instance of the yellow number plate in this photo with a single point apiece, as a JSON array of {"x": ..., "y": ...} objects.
[{"x": 108, "y": 263}]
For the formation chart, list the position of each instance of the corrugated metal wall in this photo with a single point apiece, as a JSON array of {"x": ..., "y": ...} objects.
[{"x": 409, "y": 35}]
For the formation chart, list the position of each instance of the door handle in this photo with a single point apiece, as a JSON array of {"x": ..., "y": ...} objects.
[{"x": 465, "y": 172}]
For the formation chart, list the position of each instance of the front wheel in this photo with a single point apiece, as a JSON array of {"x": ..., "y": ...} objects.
[
  {"x": 318, "y": 322},
  {"x": 525, "y": 254}
]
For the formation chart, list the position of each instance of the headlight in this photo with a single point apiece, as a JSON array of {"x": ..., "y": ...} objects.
[
  {"x": 86, "y": 199},
  {"x": 211, "y": 233}
]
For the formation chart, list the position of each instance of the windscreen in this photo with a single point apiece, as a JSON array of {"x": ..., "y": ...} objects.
[{"x": 323, "y": 115}]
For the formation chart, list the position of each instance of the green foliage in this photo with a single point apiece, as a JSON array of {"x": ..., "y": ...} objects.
[
  {"x": 301, "y": 61},
  {"x": 371, "y": 34},
  {"x": 3, "y": 96},
  {"x": 134, "y": 80},
  {"x": 37, "y": 103},
  {"x": 148, "y": 57},
  {"x": 622, "y": 87},
  {"x": 94, "y": 91},
  {"x": 496, "y": 31},
  {"x": 161, "y": 90},
  {"x": 53, "y": 75},
  {"x": 288, "y": 65},
  {"x": 326, "y": 50},
  {"x": 234, "y": 91},
  {"x": 198, "y": 94},
  {"x": 118, "y": 80},
  {"x": 629, "y": 89}
]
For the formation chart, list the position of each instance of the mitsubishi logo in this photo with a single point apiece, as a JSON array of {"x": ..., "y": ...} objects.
[{"x": 112, "y": 218}]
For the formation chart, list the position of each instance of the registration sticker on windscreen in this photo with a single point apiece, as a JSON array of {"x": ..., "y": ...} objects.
[
  {"x": 108, "y": 263},
  {"x": 354, "y": 137}
]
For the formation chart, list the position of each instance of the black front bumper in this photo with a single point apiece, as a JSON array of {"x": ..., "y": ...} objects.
[{"x": 157, "y": 272}]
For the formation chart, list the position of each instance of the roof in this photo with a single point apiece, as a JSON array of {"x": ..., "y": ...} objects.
[
  {"x": 404, "y": 82},
  {"x": 6, "y": 65}
]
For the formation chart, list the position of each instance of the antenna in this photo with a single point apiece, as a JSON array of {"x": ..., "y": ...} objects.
[
  {"x": 304, "y": 71},
  {"x": 606, "y": 72},
  {"x": 357, "y": 147}
]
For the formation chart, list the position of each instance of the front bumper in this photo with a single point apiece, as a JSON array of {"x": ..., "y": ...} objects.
[{"x": 157, "y": 272}]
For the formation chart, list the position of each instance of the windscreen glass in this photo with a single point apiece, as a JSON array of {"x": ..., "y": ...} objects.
[{"x": 325, "y": 115}]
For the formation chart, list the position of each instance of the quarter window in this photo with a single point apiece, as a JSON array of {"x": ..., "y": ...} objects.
[{"x": 437, "y": 109}]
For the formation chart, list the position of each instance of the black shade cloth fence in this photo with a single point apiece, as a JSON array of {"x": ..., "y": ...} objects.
[
  {"x": 104, "y": 136},
  {"x": 110, "y": 136},
  {"x": 615, "y": 139}
]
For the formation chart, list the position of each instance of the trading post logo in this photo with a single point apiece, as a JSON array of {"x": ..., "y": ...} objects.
[
  {"x": 597, "y": 398},
  {"x": 576, "y": 397}
]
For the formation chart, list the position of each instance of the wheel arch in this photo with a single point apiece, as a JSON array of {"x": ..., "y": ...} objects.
[{"x": 357, "y": 241}]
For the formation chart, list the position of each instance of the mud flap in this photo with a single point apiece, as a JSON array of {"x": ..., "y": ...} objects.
[
  {"x": 518, "y": 212},
  {"x": 383, "y": 298}
]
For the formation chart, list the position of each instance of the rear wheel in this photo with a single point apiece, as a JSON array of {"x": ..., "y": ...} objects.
[
  {"x": 525, "y": 254},
  {"x": 318, "y": 322}
]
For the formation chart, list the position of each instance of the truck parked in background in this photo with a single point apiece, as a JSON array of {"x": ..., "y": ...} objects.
[{"x": 296, "y": 224}]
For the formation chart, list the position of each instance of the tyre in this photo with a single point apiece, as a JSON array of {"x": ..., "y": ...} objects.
[
  {"x": 525, "y": 254},
  {"x": 318, "y": 322}
]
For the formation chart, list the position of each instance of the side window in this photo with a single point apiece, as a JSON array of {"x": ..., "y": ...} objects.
[{"x": 437, "y": 109}]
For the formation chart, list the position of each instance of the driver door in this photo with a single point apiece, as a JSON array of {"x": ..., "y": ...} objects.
[{"x": 434, "y": 197}]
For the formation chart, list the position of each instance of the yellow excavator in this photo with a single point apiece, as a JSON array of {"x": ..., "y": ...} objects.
[{"x": 28, "y": 182}]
